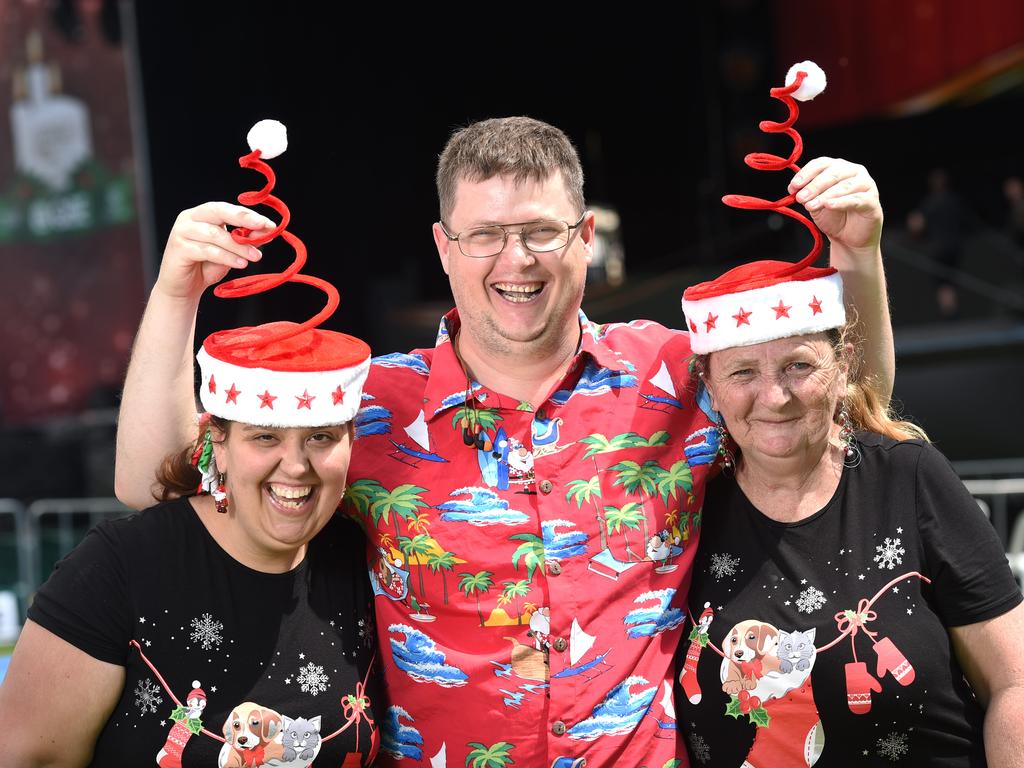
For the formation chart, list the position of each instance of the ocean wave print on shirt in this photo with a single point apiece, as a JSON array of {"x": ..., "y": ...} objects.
[
  {"x": 483, "y": 507},
  {"x": 418, "y": 656},
  {"x": 561, "y": 545},
  {"x": 399, "y": 360},
  {"x": 373, "y": 420},
  {"x": 459, "y": 398},
  {"x": 646, "y": 622},
  {"x": 619, "y": 712},
  {"x": 595, "y": 380},
  {"x": 400, "y": 740}
]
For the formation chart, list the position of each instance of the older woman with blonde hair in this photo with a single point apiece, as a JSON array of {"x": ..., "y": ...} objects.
[{"x": 850, "y": 601}]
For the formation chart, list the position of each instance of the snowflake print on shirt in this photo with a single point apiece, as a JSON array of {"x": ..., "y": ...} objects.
[
  {"x": 810, "y": 600},
  {"x": 700, "y": 748},
  {"x": 890, "y": 554},
  {"x": 723, "y": 565},
  {"x": 147, "y": 697},
  {"x": 206, "y": 631},
  {"x": 311, "y": 679},
  {"x": 894, "y": 746}
]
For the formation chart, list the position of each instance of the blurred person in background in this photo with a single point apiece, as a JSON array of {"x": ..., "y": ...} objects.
[{"x": 941, "y": 223}]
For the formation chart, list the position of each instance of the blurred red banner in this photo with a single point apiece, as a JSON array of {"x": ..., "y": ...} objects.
[
  {"x": 891, "y": 58},
  {"x": 71, "y": 269}
]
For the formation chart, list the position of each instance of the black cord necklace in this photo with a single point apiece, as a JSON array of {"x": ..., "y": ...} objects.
[{"x": 472, "y": 432}]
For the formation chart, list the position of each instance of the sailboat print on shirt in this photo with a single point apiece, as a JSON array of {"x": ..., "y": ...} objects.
[
  {"x": 531, "y": 663},
  {"x": 663, "y": 383},
  {"x": 580, "y": 643},
  {"x": 666, "y": 727},
  {"x": 420, "y": 451}
]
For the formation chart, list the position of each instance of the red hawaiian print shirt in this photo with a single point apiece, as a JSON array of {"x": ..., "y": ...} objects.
[{"x": 530, "y": 585}]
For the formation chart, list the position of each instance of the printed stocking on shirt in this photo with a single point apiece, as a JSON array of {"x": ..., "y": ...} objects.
[
  {"x": 170, "y": 755},
  {"x": 184, "y": 728},
  {"x": 890, "y": 659},
  {"x": 698, "y": 639},
  {"x": 688, "y": 677},
  {"x": 859, "y": 685},
  {"x": 793, "y": 735}
]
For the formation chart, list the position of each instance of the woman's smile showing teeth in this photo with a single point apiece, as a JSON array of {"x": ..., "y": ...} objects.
[
  {"x": 518, "y": 292},
  {"x": 289, "y": 496}
]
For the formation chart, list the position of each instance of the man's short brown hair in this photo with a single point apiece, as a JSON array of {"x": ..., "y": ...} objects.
[{"x": 521, "y": 147}]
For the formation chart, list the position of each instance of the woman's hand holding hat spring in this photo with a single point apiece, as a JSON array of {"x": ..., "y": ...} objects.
[
  {"x": 842, "y": 199},
  {"x": 200, "y": 249}
]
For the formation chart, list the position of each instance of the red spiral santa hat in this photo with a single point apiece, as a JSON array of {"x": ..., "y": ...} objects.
[
  {"x": 280, "y": 374},
  {"x": 766, "y": 300}
]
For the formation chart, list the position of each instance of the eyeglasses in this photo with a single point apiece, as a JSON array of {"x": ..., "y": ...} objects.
[{"x": 536, "y": 236}]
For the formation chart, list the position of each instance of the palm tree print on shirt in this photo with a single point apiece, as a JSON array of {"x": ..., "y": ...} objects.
[{"x": 474, "y": 584}]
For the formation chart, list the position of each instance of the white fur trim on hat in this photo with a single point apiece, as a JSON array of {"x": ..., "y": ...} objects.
[
  {"x": 740, "y": 319},
  {"x": 270, "y": 137},
  {"x": 280, "y": 398},
  {"x": 812, "y": 85}
]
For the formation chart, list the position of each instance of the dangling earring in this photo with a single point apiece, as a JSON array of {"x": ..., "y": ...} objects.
[
  {"x": 204, "y": 459},
  {"x": 220, "y": 495},
  {"x": 851, "y": 451},
  {"x": 724, "y": 451}
]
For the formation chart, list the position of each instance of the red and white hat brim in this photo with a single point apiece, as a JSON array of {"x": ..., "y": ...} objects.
[
  {"x": 281, "y": 398},
  {"x": 744, "y": 318}
]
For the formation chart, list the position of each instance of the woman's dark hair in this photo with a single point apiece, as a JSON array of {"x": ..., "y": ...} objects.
[{"x": 177, "y": 476}]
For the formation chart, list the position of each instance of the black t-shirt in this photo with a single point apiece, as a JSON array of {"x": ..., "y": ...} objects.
[
  {"x": 780, "y": 594},
  {"x": 295, "y": 644}
]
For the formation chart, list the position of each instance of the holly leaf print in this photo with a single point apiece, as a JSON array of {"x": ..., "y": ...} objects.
[
  {"x": 760, "y": 717},
  {"x": 733, "y": 707}
]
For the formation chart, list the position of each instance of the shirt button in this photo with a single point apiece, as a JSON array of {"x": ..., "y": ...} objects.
[
  {"x": 541, "y": 415},
  {"x": 558, "y": 728},
  {"x": 546, "y": 486},
  {"x": 554, "y": 567},
  {"x": 560, "y": 644}
]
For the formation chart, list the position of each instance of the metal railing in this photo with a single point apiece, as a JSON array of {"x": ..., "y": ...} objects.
[
  {"x": 14, "y": 544},
  {"x": 43, "y": 533},
  {"x": 71, "y": 520},
  {"x": 1003, "y": 499}
]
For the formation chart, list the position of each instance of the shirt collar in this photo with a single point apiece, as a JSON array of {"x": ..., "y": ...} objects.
[{"x": 446, "y": 385}]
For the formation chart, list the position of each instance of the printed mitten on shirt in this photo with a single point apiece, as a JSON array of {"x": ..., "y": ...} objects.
[
  {"x": 859, "y": 685},
  {"x": 891, "y": 659}
]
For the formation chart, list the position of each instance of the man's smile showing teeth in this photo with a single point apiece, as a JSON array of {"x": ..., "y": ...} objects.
[
  {"x": 518, "y": 292},
  {"x": 290, "y": 496}
]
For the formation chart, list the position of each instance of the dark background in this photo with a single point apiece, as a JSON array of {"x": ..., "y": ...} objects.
[{"x": 662, "y": 106}]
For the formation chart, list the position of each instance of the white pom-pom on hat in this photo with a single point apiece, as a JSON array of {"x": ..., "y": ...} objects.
[
  {"x": 812, "y": 85},
  {"x": 270, "y": 137},
  {"x": 195, "y": 683}
]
